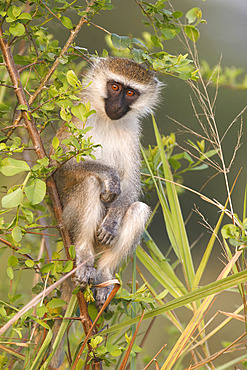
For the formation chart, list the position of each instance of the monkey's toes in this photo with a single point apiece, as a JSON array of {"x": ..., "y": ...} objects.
[
  {"x": 86, "y": 275},
  {"x": 104, "y": 236},
  {"x": 101, "y": 295}
]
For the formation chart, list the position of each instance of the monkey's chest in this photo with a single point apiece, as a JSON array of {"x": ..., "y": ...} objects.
[{"x": 116, "y": 151}]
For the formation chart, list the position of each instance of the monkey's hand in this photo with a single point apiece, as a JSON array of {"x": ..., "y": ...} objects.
[
  {"x": 110, "y": 188},
  {"x": 108, "y": 230},
  {"x": 86, "y": 274}
]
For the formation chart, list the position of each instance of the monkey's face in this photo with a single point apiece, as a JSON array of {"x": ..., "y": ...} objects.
[{"x": 119, "y": 99}]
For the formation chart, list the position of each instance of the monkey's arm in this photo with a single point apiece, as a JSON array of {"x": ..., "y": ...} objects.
[
  {"x": 72, "y": 173},
  {"x": 116, "y": 210}
]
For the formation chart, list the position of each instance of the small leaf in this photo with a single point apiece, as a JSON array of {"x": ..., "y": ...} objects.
[
  {"x": 155, "y": 40},
  {"x": 72, "y": 252},
  {"x": 36, "y": 191},
  {"x": 68, "y": 266},
  {"x": 55, "y": 142},
  {"x": 12, "y": 199},
  {"x": 10, "y": 166},
  {"x": 192, "y": 33},
  {"x": 16, "y": 234},
  {"x": 25, "y": 16},
  {"x": 17, "y": 30},
  {"x": 120, "y": 42},
  {"x": 177, "y": 14},
  {"x": 79, "y": 111},
  {"x": 41, "y": 311},
  {"x": 16, "y": 11},
  {"x": 72, "y": 79},
  {"x": 193, "y": 14},
  {"x": 56, "y": 302},
  {"x": 10, "y": 273},
  {"x": 13, "y": 261},
  {"x": 67, "y": 22},
  {"x": 29, "y": 263}
]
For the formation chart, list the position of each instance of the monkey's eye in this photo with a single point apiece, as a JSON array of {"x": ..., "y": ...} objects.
[
  {"x": 115, "y": 87},
  {"x": 130, "y": 93}
]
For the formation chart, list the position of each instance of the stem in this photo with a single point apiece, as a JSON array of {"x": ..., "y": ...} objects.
[{"x": 133, "y": 309}]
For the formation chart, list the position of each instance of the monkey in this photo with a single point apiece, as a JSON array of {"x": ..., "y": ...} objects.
[{"x": 100, "y": 198}]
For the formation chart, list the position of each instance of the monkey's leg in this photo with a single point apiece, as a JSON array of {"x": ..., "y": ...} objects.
[
  {"x": 129, "y": 236},
  {"x": 82, "y": 215}
]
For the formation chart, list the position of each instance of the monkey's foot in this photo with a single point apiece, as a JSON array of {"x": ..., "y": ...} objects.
[
  {"x": 101, "y": 295},
  {"x": 86, "y": 275}
]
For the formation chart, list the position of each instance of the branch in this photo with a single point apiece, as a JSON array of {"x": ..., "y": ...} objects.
[
  {"x": 36, "y": 139},
  {"x": 70, "y": 40}
]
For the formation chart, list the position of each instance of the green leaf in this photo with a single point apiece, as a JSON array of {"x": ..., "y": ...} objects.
[
  {"x": 13, "y": 261},
  {"x": 29, "y": 263},
  {"x": 36, "y": 191},
  {"x": 10, "y": 166},
  {"x": 56, "y": 302},
  {"x": 10, "y": 273},
  {"x": 230, "y": 231},
  {"x": 68, "y": 266},
  {"x": 73, "y": 79},
  {"x": 25, "y": 16},
  {"x": 13, "y": 199},
  {"x": 16, "y": 11},
  {"x": 72, "y": 251},
  {"x": 193, "y": 14},
  {"x": 120, "y": 42},
  {"x": 17, "y": 30},
  {"x": 79, "y": 111},
  {"x": 155, "y": 40},
  {"x": 22, "y": 107},
  {"x": 47, "y": 268},
  {"x": 177, "y": 14},
  {"x": 96, "y": 341},
  {"x": 55, "y": 142},
  {"x": 67, "y": 22},
  {"x": 192, "y": 33},
  {"x": 16, "y": 234}
]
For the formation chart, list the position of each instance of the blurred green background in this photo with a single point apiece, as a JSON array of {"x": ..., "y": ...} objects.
[{"x": 224, "y": 36}]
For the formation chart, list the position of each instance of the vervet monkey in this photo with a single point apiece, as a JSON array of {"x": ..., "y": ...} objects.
[{"x": 100, "y": 197}]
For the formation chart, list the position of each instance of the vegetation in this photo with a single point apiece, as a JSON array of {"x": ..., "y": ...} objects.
[{"x": 38, "y": 89}]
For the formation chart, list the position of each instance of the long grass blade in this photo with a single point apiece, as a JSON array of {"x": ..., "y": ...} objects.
[
  {"x": 176, "y": 214},
  {"x": 201, "y": 293}
]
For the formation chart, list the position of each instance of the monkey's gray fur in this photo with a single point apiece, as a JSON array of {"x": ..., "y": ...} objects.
[{"x": 100, "y": 197}]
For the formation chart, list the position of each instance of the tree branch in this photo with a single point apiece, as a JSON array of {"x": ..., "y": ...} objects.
[{"x": 36, "y": 139}]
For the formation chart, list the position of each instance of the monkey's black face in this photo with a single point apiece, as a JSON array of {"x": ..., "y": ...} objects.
[{"x": 119, "y": 99}]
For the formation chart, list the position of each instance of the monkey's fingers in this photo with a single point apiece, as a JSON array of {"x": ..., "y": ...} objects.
[
  {"x": 86, "y": 275},
  {"x": 108, "y": 197},
  {"x": 105, "y": 237},
  {"x": 101, "y": 295}
]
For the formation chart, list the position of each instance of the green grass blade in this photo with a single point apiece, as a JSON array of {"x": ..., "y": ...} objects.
[
  {"x": 176, "y": 214},
  {"x": 203, "y": 292},
  {"x": 162, "y": 261},
  {"x": 173, "y": 285}
]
